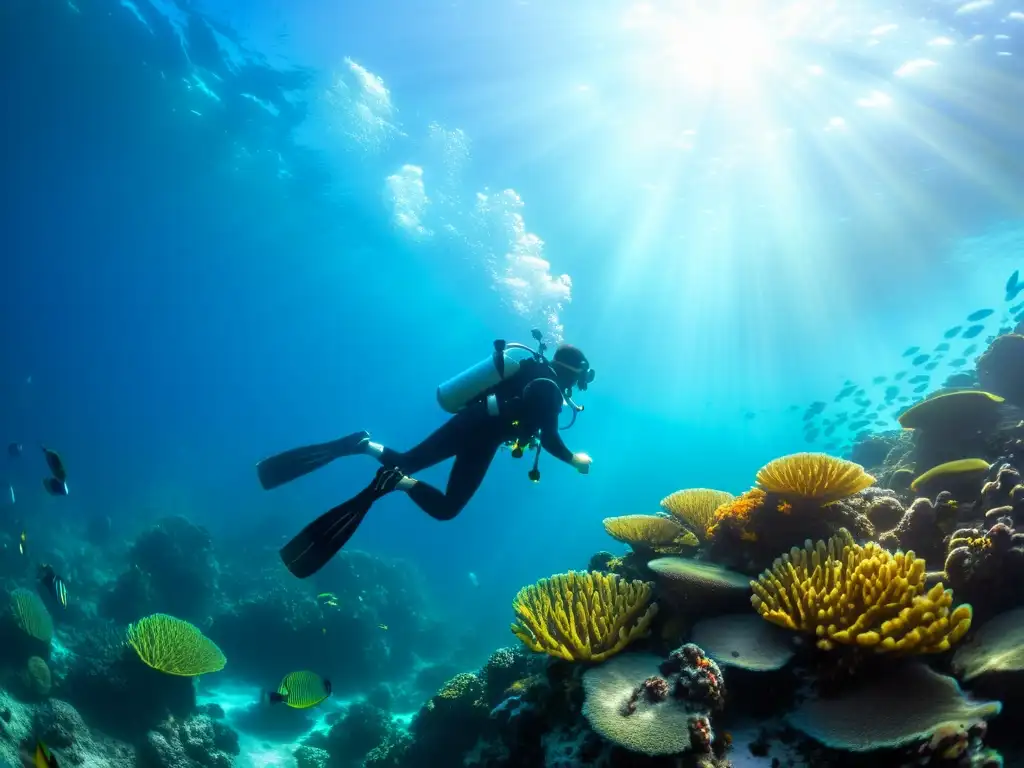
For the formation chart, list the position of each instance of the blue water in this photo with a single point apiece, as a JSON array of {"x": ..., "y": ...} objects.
[{"x": 216, "y": 247}]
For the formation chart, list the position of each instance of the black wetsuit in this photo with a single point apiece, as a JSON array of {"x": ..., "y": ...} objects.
[{"x": 528, "y": 402}]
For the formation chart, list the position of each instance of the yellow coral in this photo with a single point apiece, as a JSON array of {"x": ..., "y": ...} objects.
[
  {"x": 174, "y": 646},
  {"x": 583, "y": 615},
  {"x": 844, "y": 593},
  {"x": 662, "y": 534},
  {"x": 738, "y": 509},
  {"x": 813, "y": 476},
  {"x": 695, "y": 507}
]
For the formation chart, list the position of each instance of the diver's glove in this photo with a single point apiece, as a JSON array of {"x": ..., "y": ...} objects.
[{"x": 582, "y": 462}]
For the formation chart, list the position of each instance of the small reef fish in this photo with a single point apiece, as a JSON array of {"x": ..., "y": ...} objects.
[
  {"x": 973, "y": 331},
  {"x": 328, "y": 598},
  {"x": 55, "y": 463},
  {"x": 952, "y": 332},
  {"x": 21, "y": 542},
  {"x": 383, "y": 627},
  {"x": 900, "y": 375},
  {"x": 943, "y": 347},
  {"x": 55, "y": 487},
  {"x": 920, "y": 359},
  {"x": 43, "y": 757},
  {"x": 980, "y": 314},
  {"x": 1014, "y": 285},
  {"x": 911, "y": 351},
  {"x": 300, "y": 690},
  {"x": 14, "y": 450},
  {"x": 971, "y": 350},
  {"x": 54, "y": 584}
]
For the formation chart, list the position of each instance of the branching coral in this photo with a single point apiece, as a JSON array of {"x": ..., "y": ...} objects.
[
  {"x": 844, "y": 593},
  {"x": 816, "y": 476},
  {"x": 583, "y": 615},
  {"x": 695, "y": 507},
  {"x": 654, "y": 533}
]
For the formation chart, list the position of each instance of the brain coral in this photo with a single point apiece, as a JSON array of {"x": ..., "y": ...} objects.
[
  {"x": 900, "y": 708},
  {"x": 815, "y": 476},
  {"x": 841, "y": 592}
]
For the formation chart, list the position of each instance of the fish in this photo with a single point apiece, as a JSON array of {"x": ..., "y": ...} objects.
[
  {"x": 980, "y": 314},
  {"x": 900, "y": 375},
  {"x": 43, "y": 757},
  {"x": 55, "y": 463},
  {"x": 859, "y": 424},
  {"x": 54, "y": 584},
  {"x": 973, "y": 331},
  {"x": 932, "y": 365},
  {"x": 879, "y": 379},
  {"x": 920, "y": 359},
  {"x": 21, "y": 542},
  {"x": 1016, "y": 308},
  {"x": 11, "y": 489},
  {"x": 952, "y": 332},
  {"x": 14, "y": 450},
  {"x": 300, "y": 690},
  {"x": 385, "y": 626},
  {"x": 1013, "y": 285},
  {"x": 970, "y": 350},
  {"x": 958, "y": 362},
  {"x": 943, "y": 347},
  {"x": 921, "y": 388},
  {"x": 891, "y": 392},
  {"x": 911, "y": 351},
  {"x": 55, "y": 487}
]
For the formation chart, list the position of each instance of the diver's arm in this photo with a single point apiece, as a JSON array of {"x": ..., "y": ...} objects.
[{"x": 543, "y": 399}]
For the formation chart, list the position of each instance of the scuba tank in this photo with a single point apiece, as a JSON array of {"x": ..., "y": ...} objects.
[{"x": 459, "y": 391}]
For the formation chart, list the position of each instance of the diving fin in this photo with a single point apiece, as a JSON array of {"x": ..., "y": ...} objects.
[
  {"x": 285, "y": 467},
  {"x": 323, "y": 538}
]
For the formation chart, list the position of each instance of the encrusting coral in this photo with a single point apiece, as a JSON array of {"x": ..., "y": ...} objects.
[
  {"x": 695, "y": 507},
  {"x": 844, "y": 593},
  {"x": 583, "y": 615},
  {"x": 651, "y": 533}
]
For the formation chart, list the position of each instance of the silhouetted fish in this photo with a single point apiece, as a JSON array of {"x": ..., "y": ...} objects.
[
  {"x": 900, "y": 375},
  {"x": 980, "y": 314},
  {"x": 971, "y": 349},
  {"x": 920, "y": 377},
  {"x": 911, "y": 351},
  {"x": 879, "y": 379},
  {"x": 1016, "y": 308},
  {"x": 829, "y": 430},
  {"x": 891, "y": 392},
  {"x": 943, "y": 347},
  {"x": 56, "y": 465},
  {"x": 958, "y": 362},
  {"x": 859, "y": 423},
  {"x": 920, "y": 359},
  {"x": 931, "y": 366},
  {"x": 1013, "y": 285},
  {"x": 921, "y": 388},
  {"x": 973, "y": 331},
  {"x": 952, "y": 332}
]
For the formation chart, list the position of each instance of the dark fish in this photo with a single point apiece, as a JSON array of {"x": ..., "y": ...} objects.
[
  {"x": 829, "y": 430},
  {"x": 900, "y": 375},
  {"x": 891, "y": 392},
  {"x": 1016, "y": 308},
  {"x": 952, "y": 332},
  {"x": 881, "y": 423},
  {"x": 1004, "y": 330},
  {"x": 911, "y": 351},
  {"x": 845, "y": 392},
  {"x": 14, "y": 450},
  {"x": 902, "y": 399},
  {"x": 1013, "y": 285},
  {"x": 43, "y": 757},
  {"x": 920, "y": 359},
  {"x": 54, "y": 584},
  {"x": 55, "y": 487},
  {"x": 55, "y": 464},
  {"x": 971, "y": 349},
  {"x": 879, "y": 379},
  {"x": 980, "y": 314},
  {"x": 921, "y": 388},
  {"x": 810, "y": 435},
  {"x": 932, "y": 365},
  {"x": 943, "y": 347},
  {"x": 958, "y": 362},
  {"x": 301, "y": 690},
  {"x": 858, "y": 424},
  {"x": 973, "y": 331}
]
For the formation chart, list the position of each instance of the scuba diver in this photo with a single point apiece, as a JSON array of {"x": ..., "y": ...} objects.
[{"x": 503, "y": 400}]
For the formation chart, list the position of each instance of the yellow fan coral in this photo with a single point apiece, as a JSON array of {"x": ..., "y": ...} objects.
[
  {"x": 662, "y": 534},
  {"x": 844, "y": 593},
  {"x": 815, "y": 476},
  {"x": 583, "y": 615},
  {"x": 174, "y": 646},
  {"x": 695, "y": 507}
]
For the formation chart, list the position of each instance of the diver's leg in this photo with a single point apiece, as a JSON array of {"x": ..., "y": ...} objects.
[
  {"x": 471, "y": 465},
  {"x": 443, "y": 443}
]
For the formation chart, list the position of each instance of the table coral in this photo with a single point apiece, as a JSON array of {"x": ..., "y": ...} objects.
[
  {"x": 695, "y": 507},
  {"x": 651, "y": 533},
  {"x": 816, "y": 476},
  {"x": 583, "y": 615},
  {"x": 841, "y": 592}
]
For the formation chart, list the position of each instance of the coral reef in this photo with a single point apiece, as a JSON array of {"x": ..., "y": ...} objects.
[
  {"x": 813, "y": 477},
  {"x": 924, "y": 529},
  {"x": 997, "y": 646},
  {"x": 583, "y": 615},
  {"x": 197, "y": 742},
  {"x": 743, "y": 641},
  {"x": 696, "y": 586},
  {"x": 952, "y": 425},
  {"x": 841, "y": 592},
  {"x": 695, "y": 508},
  {"x": 1001, "y": 368},
  {"x": 986, "y": 568},
  {"x": 961, "y": 478},
  {"x": 650, "y": 533}
]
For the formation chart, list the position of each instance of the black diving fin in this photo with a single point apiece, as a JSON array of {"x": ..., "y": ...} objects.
[
  {"x": 285, "y": 467},
  {"x": 322, "y": 539}
]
